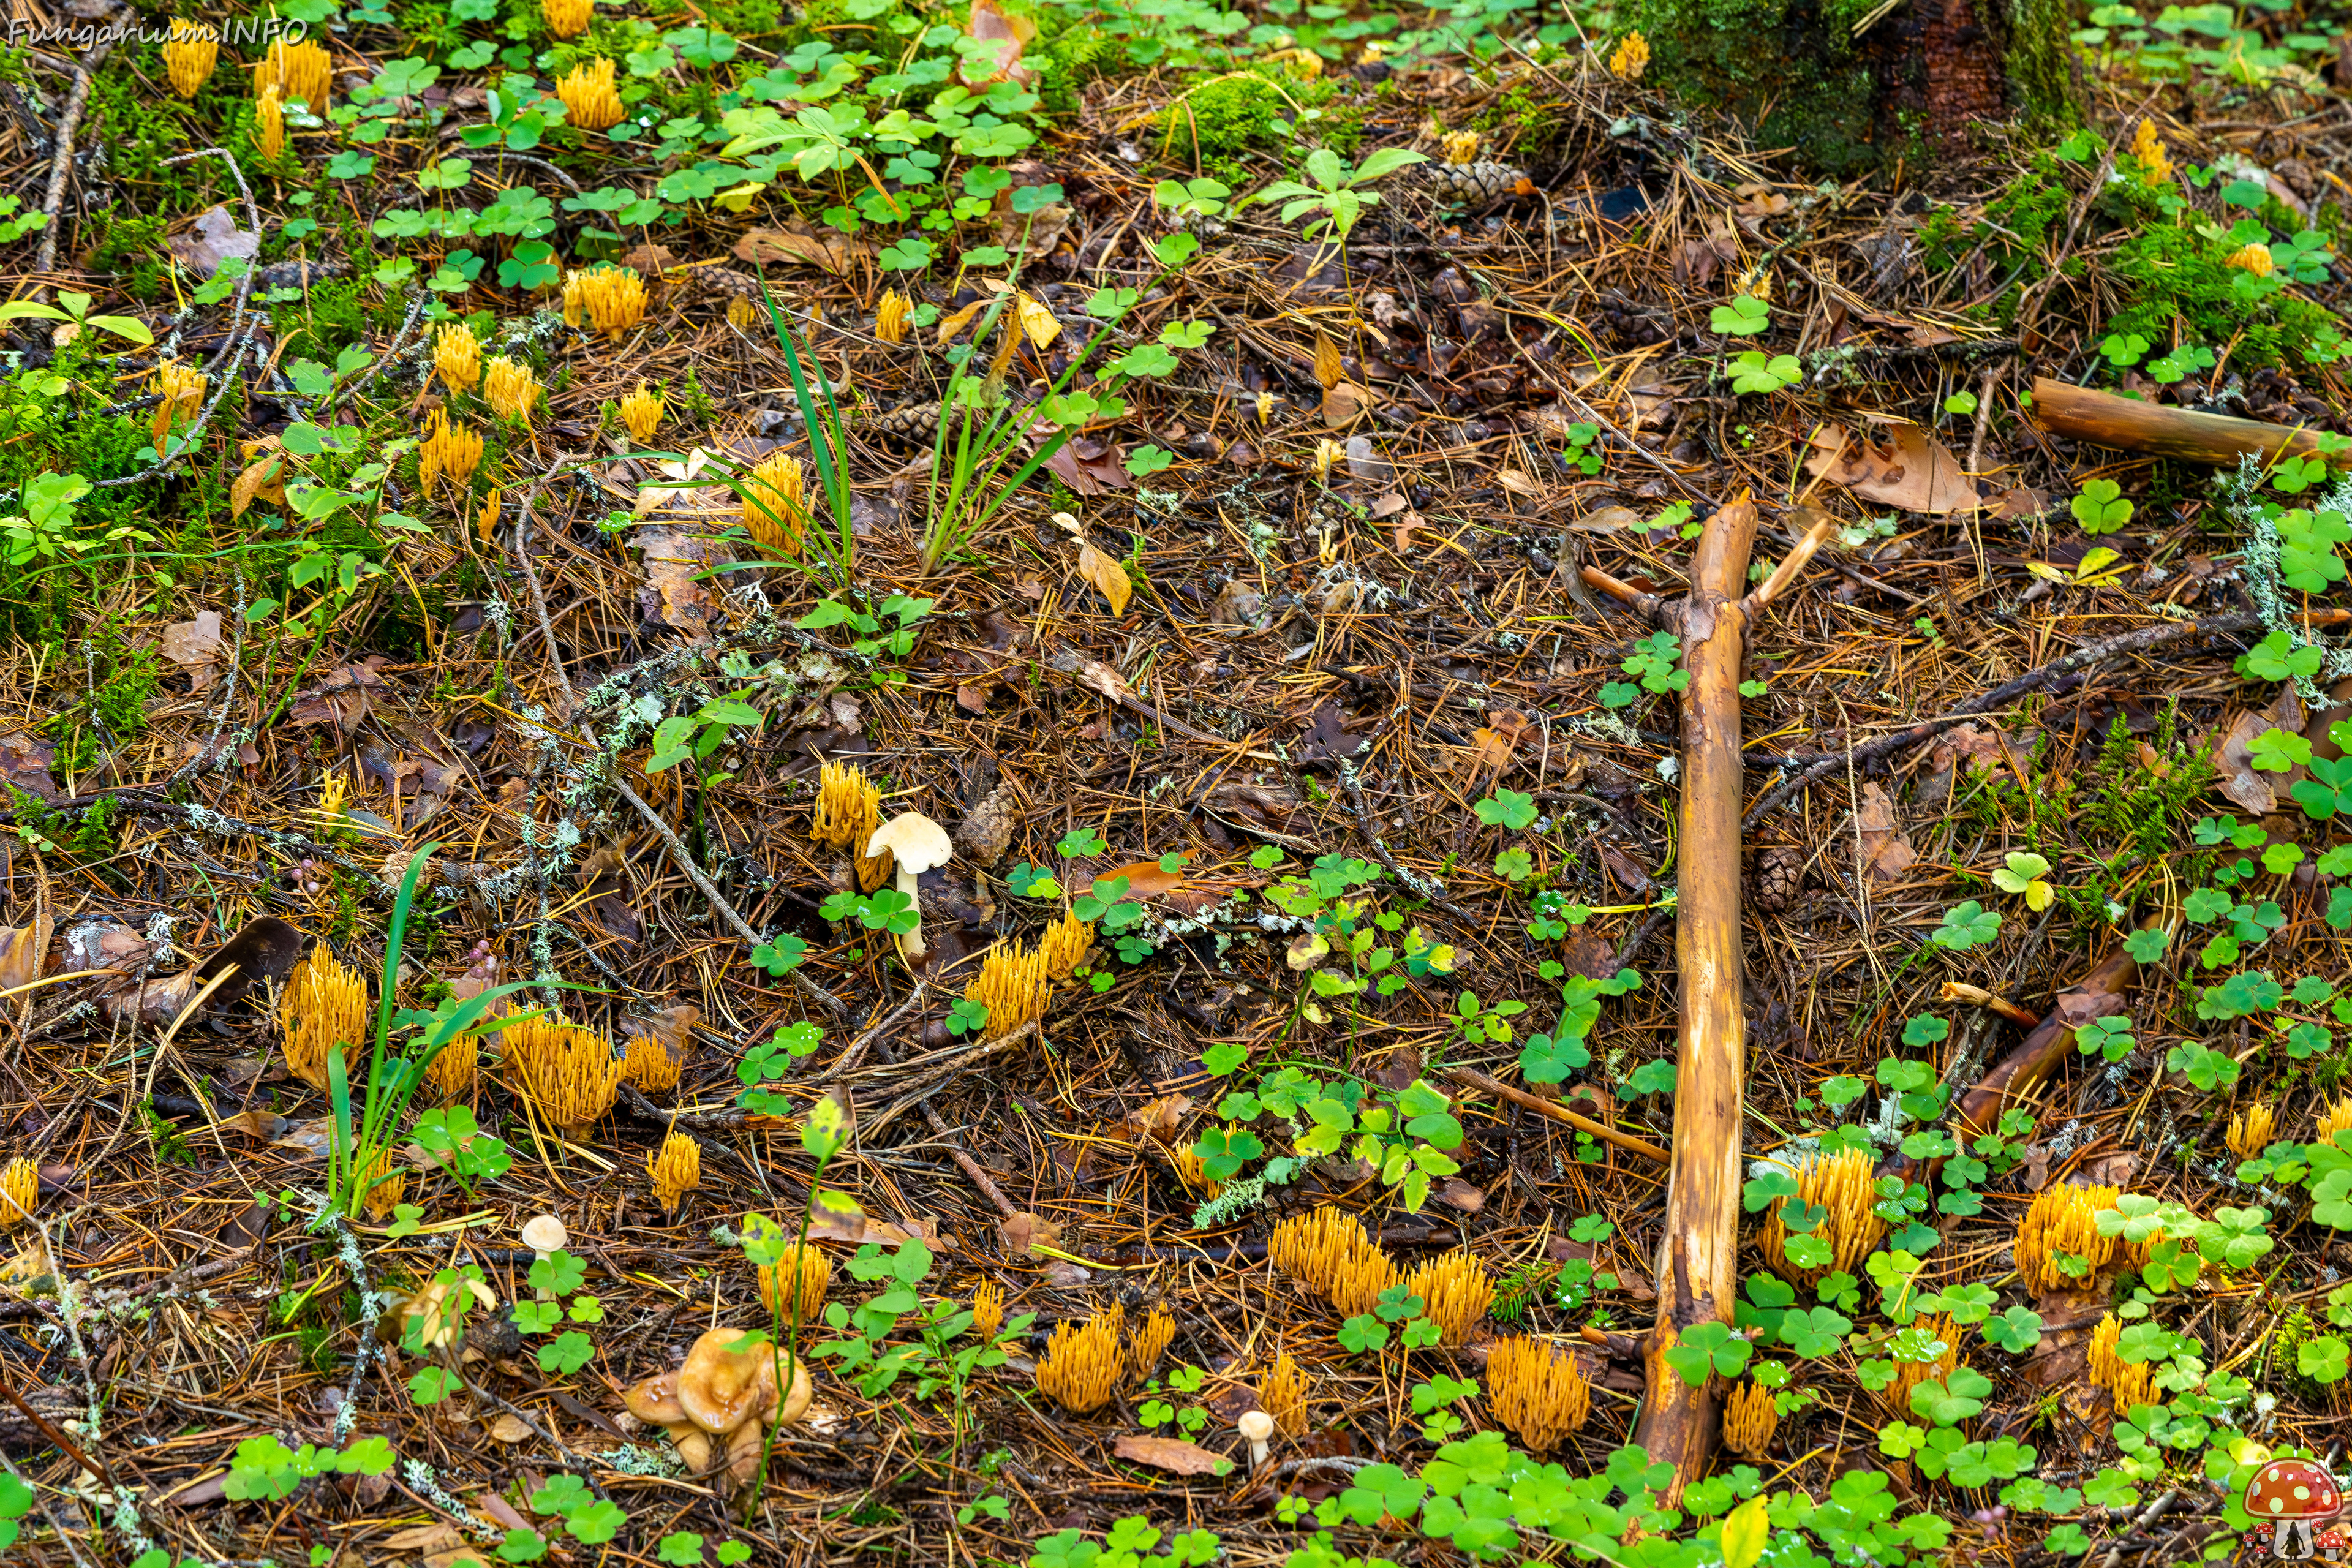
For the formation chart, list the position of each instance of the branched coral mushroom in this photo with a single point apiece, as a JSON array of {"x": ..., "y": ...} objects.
[
  {"x": 1149, "y": 1342},
  {"x": 1537, "y": 1391},
  {"x": 458, "y": 357},
  {"x": 1843, "y": 1185},
  {"x": 1063, "y": 946},
  {"x": 511, "y": 389},
  {"x": 323, "y": 1007},
  {"x": 567, "y": 19},
  {"x": 190, "y": 54},
  {"x": 2063, "y": 1219},
  {"x": 775, "y": 509},
  {"x": 647, "y": 1063},
  {"x": 1329, "y": 1252},
  {"x": 676, "y": 1169},
  {"x": 1749, "y": 1419},
  {"x": 2251, "y": 1129},
  {"x": 1282, "y": 1394},
  {"x": 1012, "y": 985},
  {"x": 590, "y": 99},
  {"x": 1081, "y": 1367},
  {"x": 20, "y": 1192},
  {"x": 987, "y": 1311},
  {"x": 610, "y": 299},
  {"x": 1456, "y": 1291},
  {"x": 641, "y": 410},
  {"x": 568, "y": 1073},
  {"x": 793, "y": 1287},
  {"x": 298, "y": 70}
]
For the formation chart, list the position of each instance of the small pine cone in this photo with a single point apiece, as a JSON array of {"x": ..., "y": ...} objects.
[
  {"x": 1480, "y": 182},
  {"x": 1779, "y": 871},
  {"x": 721, "y": 281},
  {"x": 917, "y": 423},
  {"x": 988, "y": 827}
]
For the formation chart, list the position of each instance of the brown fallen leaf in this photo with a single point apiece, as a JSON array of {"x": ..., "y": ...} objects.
[
  {"x": 1607, "y": 520},
  {"x": 195, "y": 645},
  {"x": 25, "y": 764},
  {"x": 802, "y": 246},
  {"x": 1887, "y": 852},
  {"x": 263, "y": 479},
  {"x": 309, "y": 1139},
  {"x": 1173, "y": 1455},
  {"x": 1328, "y": 369},
  {"x": 1021, "y": 1233},
  {"x": 1145, "y": 879},
  {"x": 1003, "y": 36},
  {"x": 343, "y": 698},
  {"x": 1494, "y": 745},
  {"x": 423, "y": 1537},
  {"x": 1345, "y": 404},
  {"x": 1456, "y": 1193},
  {"x": 678, "y": 591},
  {"x": 510, "y": 1428},
  {"x": 1909, "y": 469},
  {"x": 1159, "y": 1119},
  {"x": 1106, "y": 574},
  {"x": 2235, "y": 774}
]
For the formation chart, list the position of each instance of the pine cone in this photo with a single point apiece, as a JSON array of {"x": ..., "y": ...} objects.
[
  {"x": 1780, "y": 870},
  {"x": 917, "y": 423},
  {"x": 1481, "y": 182},
  {"x": 988, "y": 827}
]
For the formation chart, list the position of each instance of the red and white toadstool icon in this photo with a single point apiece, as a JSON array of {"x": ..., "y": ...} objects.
[
  {"x": 2291, "y": 1495},
  {"x": 2333, "y": 1541}
]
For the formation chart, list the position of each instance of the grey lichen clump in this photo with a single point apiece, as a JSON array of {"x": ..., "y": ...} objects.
[{"x": 2263, "y": 571}]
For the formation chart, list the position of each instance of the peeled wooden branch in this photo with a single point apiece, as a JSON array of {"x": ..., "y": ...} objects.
[
  {"x": 1471, "y": 1078},
  {"x": 2128, "y": 424},
  {"x": 1697, "y": 1266}
]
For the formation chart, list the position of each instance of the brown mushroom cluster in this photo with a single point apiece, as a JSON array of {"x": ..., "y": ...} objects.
[{"x": 722, "y": 1402}]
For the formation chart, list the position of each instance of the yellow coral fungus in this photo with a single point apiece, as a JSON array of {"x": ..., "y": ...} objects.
[
  {"x": 449, "y": 451},
  {"x": 1149, "y": 1342},
  {"x": 2336, "y": 1119},
  {"x": 323, "y": 1008},
  {"x": 454, "y": 1067},
  {"x": 1942, "y": 1336},
  {"x": 458, "y": 357},
  {"x": 2063, "y": 1219},
  {"x": 1013, "y": 986},
  {"x": 511, "y": 389},
  {"x": 647, "y": 1063},
  {"x": 793, "y": 1287},
  {"x": 1329, "y": 1252},
  {"x": 1538, "y": 1392},
  {"x": 1460, "y": 146},
  {"x": 269, "y": 123},
  {"x": 1065, "y": 944},
  {"x": 1080, "y": 1369},
  {"x": 2154, "y": 160},
  {"x": 1456, "y": 1291},
  {"x": 2255, "y": 258},
  {"x": 298, "y": 72},
  {"x": 386, "y": 1186},
  {"x": 190, "y": 54},
  {"x": 890, "y": 317},
  {"x": 1843, "y": 1187},
  {"x": 2251, "y": 1129},
  {"x": 591, "y": 102},
  {"x": 641, "y": 410},
  {"x": 1282, "y": 1394},
  {"x": 1749, "y": 1419},
  {"x": 775, "y": 507},
  {"x": 568, "y": 1073},
  {"x": 20, "y": 1192},
  {"x": 567, "y": 19},
  {"x": 1631, "y": 57},
  {"x": 676, "y": 1168},
  {"x": 610, "y": 299},
  {"x": 987, "y": 1311}
]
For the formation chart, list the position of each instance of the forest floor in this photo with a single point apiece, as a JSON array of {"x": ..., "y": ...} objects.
[{"x": 1288, "y": 1035}]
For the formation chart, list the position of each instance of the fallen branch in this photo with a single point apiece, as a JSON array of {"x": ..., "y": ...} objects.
[
  {"x": 1471, "y": 1078},
  {"x": 2128, "y": 424},
  {"x": 61, "y": 164}
]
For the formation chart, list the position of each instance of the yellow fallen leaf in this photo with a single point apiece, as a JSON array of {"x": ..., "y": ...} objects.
[
  {"x": 1106, "y": 574},
  {"x": 739, "y": 199},
  {"x": 1037, "y": 321},
  {"x": 1328, "y": 368}
]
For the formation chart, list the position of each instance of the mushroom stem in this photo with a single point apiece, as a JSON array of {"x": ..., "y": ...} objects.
[{"x": 912, "y": 943}]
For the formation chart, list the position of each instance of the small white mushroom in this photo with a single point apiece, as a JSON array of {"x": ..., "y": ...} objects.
[
  {"x": 545, "y": 1235},
  {"x": 918, "y": 844},
  {"x": 1258, "y": 1427}
]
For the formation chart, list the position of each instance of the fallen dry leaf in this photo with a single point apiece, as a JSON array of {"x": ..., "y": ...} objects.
[
  {"x": 834, "y": 253},
  {"x": 25, "y": 764},
  {"x": 423, "y": 1537},
  {"x": 1886, "y": 853},
  {"x": 1106, "y": 574},
  {"x": 1328, "y": 366},
  {"x": 264, "y": 479},
  {"x": 1171, "y": 1454},
  {"x": 343, "y": 698},
  {"x": 510, "y": 1428},
  {"x": 1159, "y": 1118},
  {"x": 20, "y": 961},
  {"x": 1025, "y": 1231},
  {"x": 1345, "y": 403},
  {"x": 196, "y": 645},
  {"x": 2235, "y": 774},
  {"x": 677, "y": 591},
  {"x": 1145, "y": 879},
  {"x": 1910, "y": 469},
  {"x": 1003, "y": 35}
]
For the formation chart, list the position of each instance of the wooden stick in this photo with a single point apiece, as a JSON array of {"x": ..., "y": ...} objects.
[
  {"x": 1697, "y": 1264},
  {"x": 2128, "y": 424},
  {"x": 1471, "y": 1078}
]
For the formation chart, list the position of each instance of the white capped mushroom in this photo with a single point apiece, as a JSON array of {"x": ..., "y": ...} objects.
[
  {"x": 1258, "y": 1427},
  {"x": 918, "y": 844},
  {"x": 544, "y": 1234}
]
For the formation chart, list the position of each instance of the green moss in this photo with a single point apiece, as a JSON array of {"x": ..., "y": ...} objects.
[
  {"x": 1230, "y": 113},
  {"x": 132, "y": 250},
  {"x": 332, "y": 314},
  {"x": 1072, "y": 57},
  {"x": 2179, "y": 281},
  {"x": 2041, "y": 61},
  {"x": 1784, "y": 65}
]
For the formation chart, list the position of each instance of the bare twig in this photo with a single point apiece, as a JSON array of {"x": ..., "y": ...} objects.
[{"x": 61, "y": 162}]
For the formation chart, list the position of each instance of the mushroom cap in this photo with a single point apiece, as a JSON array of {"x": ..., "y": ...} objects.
[
  {"x": 545, "y": 1234},
  {"x": 915, "y": 840},
  {"x": 655, "y": 1400},
  {"x": 720, "y": 1388},
  {"x": 2292, "y": 1488},
  {"x": 1256, "y": 1426}
]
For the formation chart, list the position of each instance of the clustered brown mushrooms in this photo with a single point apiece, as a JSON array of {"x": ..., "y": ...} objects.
[{"x": 721, "y": 1401}]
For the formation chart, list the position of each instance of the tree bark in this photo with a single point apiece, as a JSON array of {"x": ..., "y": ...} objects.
[{"x": 1697, "y": 1264}]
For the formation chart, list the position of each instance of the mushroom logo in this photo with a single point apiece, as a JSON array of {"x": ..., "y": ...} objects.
[
  {"x": 2292, "y": 1495},
  {"x": 2332, "y": 1542}
]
